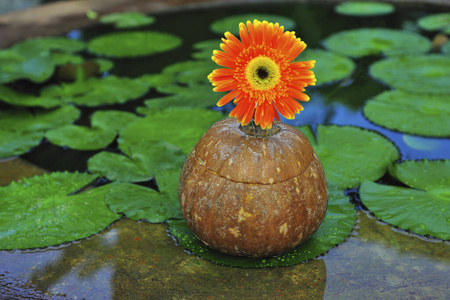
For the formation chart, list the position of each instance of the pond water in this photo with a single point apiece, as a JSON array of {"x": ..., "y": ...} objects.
[{"x": 139, "y": 260}]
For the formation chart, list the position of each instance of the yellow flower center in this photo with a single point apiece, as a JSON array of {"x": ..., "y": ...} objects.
[{"x": 262, "y": 73}]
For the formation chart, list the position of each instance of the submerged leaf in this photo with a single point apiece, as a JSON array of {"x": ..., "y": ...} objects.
[
  {"x": 143, "y": 160},
  {"x": 181, "y": 127},
  {"x": 375, "y": 41},
  {"x": 127, "y": 19},
  {"x": 351, "y": 155},
  {"x": 41, "y": 211},
  {"x": 231, "y": 23},
  {"x": 412, "y": 113},
  {"x": 364, "y": 8},
  {"x": 138, "y": 202},
  {"x": 423, "y": 208},
  {"x": 336, "y": 226},
  {"x": 134, "y": 43},
  {"x": 424, "y": 74},
  {"x": 329, "y": 67}
]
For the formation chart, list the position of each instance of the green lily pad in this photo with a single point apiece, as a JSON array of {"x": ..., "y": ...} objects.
[
  {"x": 23, "y": 120},
  {"x": 104, "y": 129},
  {"x": 36, "y": 46},
  {"x": 426, "y": 74},
  {"x": 423, "y": 208},
  {"x": 41, "y": 211},
  {"x": 98, "y": 91},
  {"x": 364, "y": 9},
  {"x": 143, "y": 160},
  {"x": 446, "y": 48},
  {"x": 350, "y": 155},
  {"x": 436, "y": 22},
  {"x": 204, "y": 49},
  {"x": 412, "y": 113},
  {"x": 329, "y": 67},
  {"x": 16, "y": 98},
  {"x": 134, "y": 43},
  {"x": 182, "y": 127},
  {"x": 336, "y": 227},
  {"x": 127, "y": 19},
  {"x": 231, "y": 23},
  {"x": 191, "y": 72},
  {"x": 14, "y": 143},
  {"x": 375, "y": 41},
  {"x": 36, "y": 69},
  {"x": 138, "y": 202}
]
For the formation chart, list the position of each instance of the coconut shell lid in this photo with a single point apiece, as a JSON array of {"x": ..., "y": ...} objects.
[{"x": 224, "y": 149}]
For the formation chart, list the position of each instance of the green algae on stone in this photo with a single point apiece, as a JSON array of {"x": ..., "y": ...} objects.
[
  {"x": 364, "y": 8},
  {"x": 231, "y": 23},
  {"x": 140, "y": 163},
  {"x": 98, "y": 91},
  {"x": 413, "y": 113},
  {"x": 104, "y": 129},
  {"x": 376, "y": 41},
  {"x": 329, "y": 66},
  {"x": 14, "y": 142},
  {"x": 350, "y": 155},
  {"x": 423, "y": 207},
  {"x": 142, "y": 203},
  {"x": 181, "y": 127},
  {"x": 133, "y": 43},
  {"x": 436, "y": 22},
  {"x": 43, "y": 210},
  {"x": 129, "y": 19},
  {"x": 336, "y": 227},
  {"x": 426, "y": 74}
]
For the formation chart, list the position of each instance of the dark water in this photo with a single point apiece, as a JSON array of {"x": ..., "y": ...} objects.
[{"x": 138, "y": 260}]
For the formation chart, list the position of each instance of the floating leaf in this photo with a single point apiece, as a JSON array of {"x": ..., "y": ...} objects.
[
  {"x": 98, "y": 91},
  {"x": 231, "y": 24},
  {"x": 329, "y": 67},
  {"x": 336, "y": 226},
  {"x": 446, "y": 48},
  {"x": 436, "y": 22},
  {"x": 16, "y": 142},
  {"x": 127, "y": 19},
  {"x": 423, "y": 208},
  {"x": 134, "y": 43},
  {"x": 375, "y": 41},
  {"x": 138, "y": 202},
  {"x": 36, "y": 69},
  {"x": 104, "y": 129},
  {"x": 182, "y": 127},
  {"x": 16, "y": 98},
  {"x": 41, "y": 45},
  {"x": 190, "y": 72},
  {"x": 41, "y": 211},
  {"x": 205, "y": 49},
  {"x": 364, "y": 9},
  {"x": 426, "y": 74},
  {"x": 144, "y": 158},
  {"x": 351, "y": 155},
  {"x": 412, "y": 113},
  {"x": 23, "y": 120}
]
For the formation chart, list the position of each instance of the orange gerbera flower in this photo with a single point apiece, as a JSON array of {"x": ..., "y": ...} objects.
[{"x": 260, "y": 75}]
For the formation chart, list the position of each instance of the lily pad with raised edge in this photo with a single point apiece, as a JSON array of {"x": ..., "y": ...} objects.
[
  {"x": 336, "y": 227},
  {"x": 423, "y": 208},
  {"x": 14, "y": 143},
  {"x": 142, "y": 161},
  {"x": 133, "y": 43},
  {"x": 23, "y": 120},
  {"x": 434, "y": 22},
  {"x": 98, "y": 91},
  {"x": 351, "y": 155},
  {"x": 127, "y": 19},
  {"x": 426, "y": 74},
  {"x": 364, "y": 8},
  {"x": 231, "y": 23},
  {"x": 138, "y": 202},
  {"x": 419, "y": 114},
  {"x": 182, "y": 127},
  {"x": 42, "y": 211},
  {"x": 376, "y": 41},
  {"x": 329, "y": 66},
  {"x": 104, "y": 129}
]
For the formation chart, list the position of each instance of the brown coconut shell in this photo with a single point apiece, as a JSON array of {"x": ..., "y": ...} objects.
[{"x": 253, "y": 196}]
